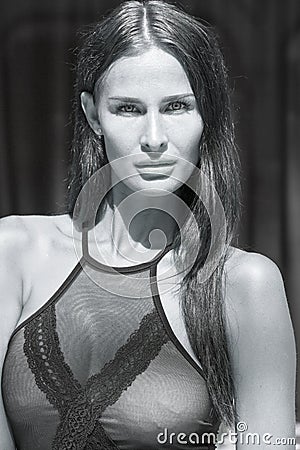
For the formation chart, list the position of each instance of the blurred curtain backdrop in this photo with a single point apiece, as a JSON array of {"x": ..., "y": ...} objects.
[{"x": 261, "y": 44}]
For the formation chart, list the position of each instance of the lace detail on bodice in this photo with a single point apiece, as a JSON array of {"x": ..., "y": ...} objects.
[
  {"x": 80, "y": 407},
  {"x": 46, "y": 360}
]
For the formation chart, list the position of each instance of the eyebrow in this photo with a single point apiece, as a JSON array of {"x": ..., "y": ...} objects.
[{"x": 166, "y": 99}]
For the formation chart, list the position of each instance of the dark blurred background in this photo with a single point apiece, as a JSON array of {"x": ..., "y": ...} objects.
[{"x": 261, "y": 43}]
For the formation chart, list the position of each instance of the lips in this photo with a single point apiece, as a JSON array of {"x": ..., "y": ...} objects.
[
  {"x": 156, "y": 164},
  {"x": 156, "y": 170}
]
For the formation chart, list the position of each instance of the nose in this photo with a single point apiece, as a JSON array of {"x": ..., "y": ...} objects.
[{"x": 153, "y": 138}]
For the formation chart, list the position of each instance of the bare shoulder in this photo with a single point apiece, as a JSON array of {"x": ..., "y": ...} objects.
[
  {"x": 21, "y": 233},
  {"x": 13, "y": 234},
  {"x": 254, "y": 291},
  {"x": 14, "y": 242},
  {"x": 248, "y": 270},
  {"x": 24, "y": 241}
]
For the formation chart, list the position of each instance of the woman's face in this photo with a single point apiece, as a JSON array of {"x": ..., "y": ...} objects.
[{"x": 145, "y": 108}]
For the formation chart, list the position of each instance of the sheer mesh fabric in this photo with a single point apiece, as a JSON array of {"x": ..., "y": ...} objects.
[{"x": 97, "y": 367}]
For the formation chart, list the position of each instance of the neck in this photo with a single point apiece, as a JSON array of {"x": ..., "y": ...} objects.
[{"x": 137, "y": 221}]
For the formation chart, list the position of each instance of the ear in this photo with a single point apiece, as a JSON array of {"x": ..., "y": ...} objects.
[{"x": 90, "y": 111}]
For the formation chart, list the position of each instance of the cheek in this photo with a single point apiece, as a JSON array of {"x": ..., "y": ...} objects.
[
  {"x": 117, "y": 145},
  {"x": 118, "y": 136},
  {"x": 190, "y": 141}
]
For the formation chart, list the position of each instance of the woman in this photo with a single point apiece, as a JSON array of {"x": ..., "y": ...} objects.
[{"x": 117, "y": 335}]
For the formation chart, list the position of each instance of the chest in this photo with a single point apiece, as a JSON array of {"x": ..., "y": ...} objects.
[{"x": 49, "y": 273}]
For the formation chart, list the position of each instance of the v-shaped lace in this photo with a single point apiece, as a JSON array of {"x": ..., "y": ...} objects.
[{"x": 80, "y": 408}]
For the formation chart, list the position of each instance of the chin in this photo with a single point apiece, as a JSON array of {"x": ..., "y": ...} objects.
[{"x": 155, "y": 188}]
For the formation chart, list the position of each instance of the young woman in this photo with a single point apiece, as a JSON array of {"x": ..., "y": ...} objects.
[{"x": 131, "y": 322}]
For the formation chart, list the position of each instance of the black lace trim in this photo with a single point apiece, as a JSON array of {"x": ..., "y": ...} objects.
[
  {"x": 80, "y": 408},
  {"x": 130, "y": 360},
  {"x": 100, "y": 440},
  {"x": 46, "y": 360}
]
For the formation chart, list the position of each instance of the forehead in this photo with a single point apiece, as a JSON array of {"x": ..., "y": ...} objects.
[{"x": 153, "y": 73}]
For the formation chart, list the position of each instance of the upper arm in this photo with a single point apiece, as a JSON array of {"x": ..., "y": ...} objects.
[
  {"x": 13, "y": 239},
  {"x": 262, "y": 347}
]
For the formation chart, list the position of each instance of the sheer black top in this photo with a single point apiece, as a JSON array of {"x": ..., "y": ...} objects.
[{"x": 99, "y": 367}]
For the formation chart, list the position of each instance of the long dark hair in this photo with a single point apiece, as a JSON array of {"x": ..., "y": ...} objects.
[{"x": 128, "y": 30}]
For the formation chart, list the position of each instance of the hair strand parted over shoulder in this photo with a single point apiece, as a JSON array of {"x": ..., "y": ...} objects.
[{"x": 129, "y": 30}]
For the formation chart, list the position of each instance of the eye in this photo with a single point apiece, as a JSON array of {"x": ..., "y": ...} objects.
[
  {"x": 178, "y": 105},
  {"x": 128, "y": 108}
]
